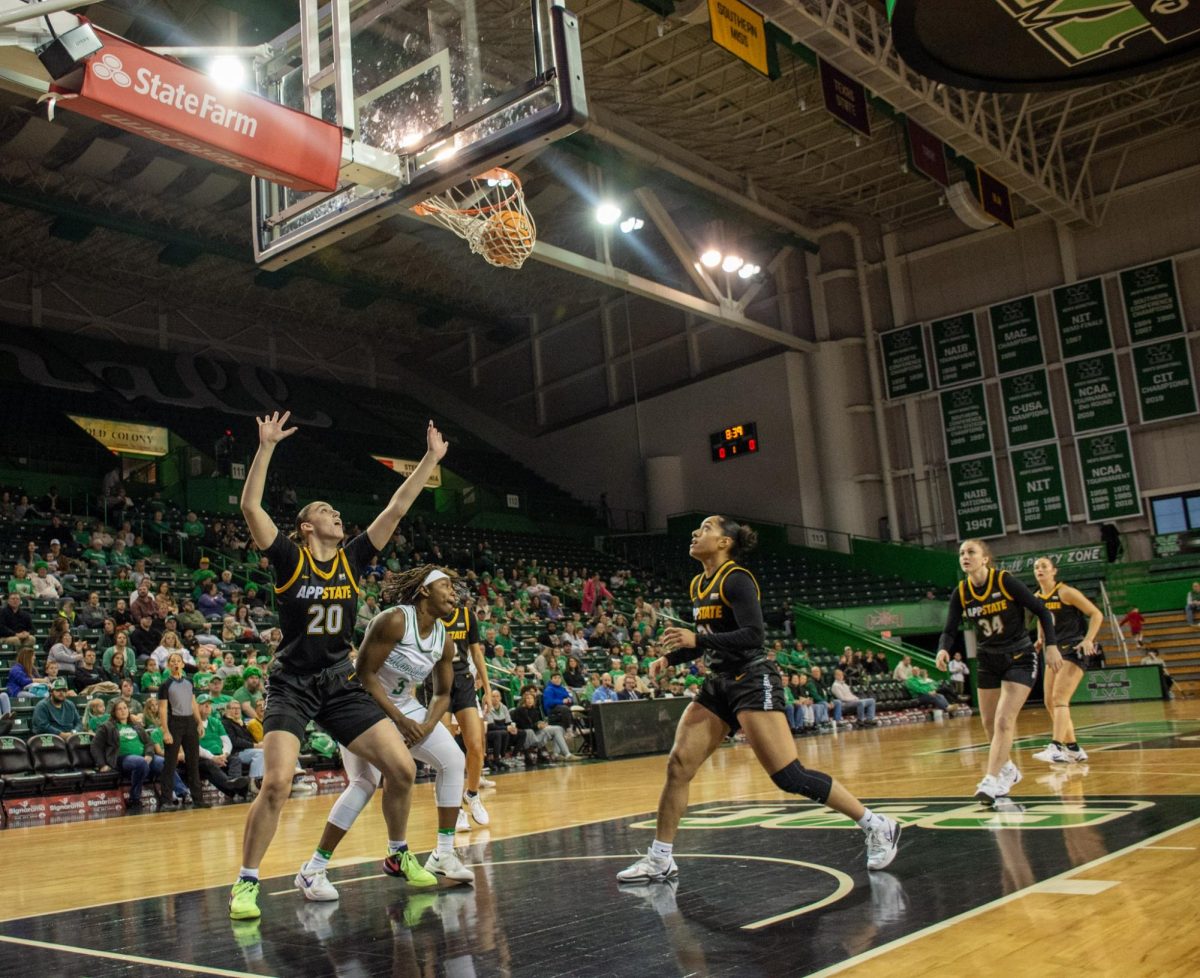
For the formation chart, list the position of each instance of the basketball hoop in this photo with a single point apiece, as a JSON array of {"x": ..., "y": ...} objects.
[{"x": 489, "y": 213}]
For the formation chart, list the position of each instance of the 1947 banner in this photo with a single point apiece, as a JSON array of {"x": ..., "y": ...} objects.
[
  {"x": 905, "y": 366},
  {"x": 1109, "y": 478},
  {"x": 956, "y": 350},
  {"x": 1081, "y": 314},
  {"x": 1041, "y": 494},
  {"x": 1027, "y": 414},
  {"x": 976, "y": 498},
  {"x": 1015, "y": 335}
]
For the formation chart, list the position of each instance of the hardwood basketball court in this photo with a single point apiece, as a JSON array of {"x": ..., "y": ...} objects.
[{"x": 1079, "y": 875}]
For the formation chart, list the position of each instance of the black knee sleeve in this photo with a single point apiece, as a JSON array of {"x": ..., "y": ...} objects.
[{"x": 798, "y": 780}]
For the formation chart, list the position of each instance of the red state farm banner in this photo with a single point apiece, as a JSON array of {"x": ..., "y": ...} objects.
[{"x": 142, "y": 92}]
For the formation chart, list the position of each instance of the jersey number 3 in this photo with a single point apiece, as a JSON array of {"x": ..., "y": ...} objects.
[
  {"x": 989, "y": 626},
  {"x": 325, "y": 619}
]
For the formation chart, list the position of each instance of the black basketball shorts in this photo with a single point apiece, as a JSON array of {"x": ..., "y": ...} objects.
[
  {"x": 1019, "y": 667},
  {"x": 759, "y": 688},
  {"x": 334, "y": 698}
]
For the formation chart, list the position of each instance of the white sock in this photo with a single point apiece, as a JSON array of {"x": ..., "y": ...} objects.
[
  {"x": 317, "y": 863},
  {"x": 445, "y": 844},
  {"x": 661, "y": 850},
  {"x": 395, "y": 846},
  {"x": 246, "y": 873},
  {"x": 869, "y": 820}
]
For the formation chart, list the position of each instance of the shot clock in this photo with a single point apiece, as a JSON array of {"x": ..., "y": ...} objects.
[{"x": 737, "y": 439}]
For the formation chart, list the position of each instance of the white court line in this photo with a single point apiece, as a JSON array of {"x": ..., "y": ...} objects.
[
  {"x": 191, "y": 969},
  {"x": 984, "y": 908},
  {"x": 1075, "y": 887},
  {"x": 1173, "y": 848},
  {"x": 844, "y": 881}
]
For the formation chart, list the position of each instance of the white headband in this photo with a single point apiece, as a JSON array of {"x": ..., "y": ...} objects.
[{"x": 434, "y": 575}]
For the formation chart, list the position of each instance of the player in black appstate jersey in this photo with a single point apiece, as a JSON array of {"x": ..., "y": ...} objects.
[
  {"x": 1007, "y": 663},
  {"x": 1077, "y": 622},
  {"x": 312, "y": 677},
  {"x": 744, "y": 689},
  {"x": 463, "y": 629}
]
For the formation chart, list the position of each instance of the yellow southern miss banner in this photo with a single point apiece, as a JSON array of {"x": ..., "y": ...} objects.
[
  {"x": 406, "y": 466},
  {"x": 124, "y": 437},
  {"x": 741, "y": 31}
]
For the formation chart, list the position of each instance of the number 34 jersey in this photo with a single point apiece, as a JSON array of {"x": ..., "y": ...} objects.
[
  {"x": 998, "y": 617},
  {"x": 317, "y": 602}
]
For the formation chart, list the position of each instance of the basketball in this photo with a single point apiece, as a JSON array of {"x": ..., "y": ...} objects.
[{"x": 507, "y": 238}]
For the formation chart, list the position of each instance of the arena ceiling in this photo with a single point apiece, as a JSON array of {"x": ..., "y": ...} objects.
[{"x": 691, "y": 136}]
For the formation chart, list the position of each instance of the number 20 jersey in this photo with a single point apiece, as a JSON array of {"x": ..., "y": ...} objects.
[
  {"x": 999, "y": 619},
  {"x": 317, "y": 602}
]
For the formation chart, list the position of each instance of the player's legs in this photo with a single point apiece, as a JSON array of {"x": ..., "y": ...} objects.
[
  {"x": 1065, "y": 682},
  {"x": 989, "y": 699},
  {"x": 698, "y": 734},
  {"x": 362, "y": 780},
  {"x": 382, "y": 747},
  {"x": 767, "y": 734},
  {"x": 281, "y": 748},
  {"x": 470, "y": 725},
  {"x": 1007, "y": 706},
  {"x": 440, "y": 752}
]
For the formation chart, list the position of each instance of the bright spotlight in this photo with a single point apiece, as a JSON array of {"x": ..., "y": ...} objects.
[
  {"x": 227, "y": 71},
  {"x": 746, "y": 271},
  {"x": 632, "y": 224},
  {"x": 607, "y": 213},
  {"x": 732, "y": 263},
  {"x": 710, "y": 258}
]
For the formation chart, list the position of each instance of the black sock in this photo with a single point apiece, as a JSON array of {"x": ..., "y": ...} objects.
[
  {"x": 472, "y": 794},
  {"x": 1072, "y": 746},
  {"x": 1057, "y": 744}
]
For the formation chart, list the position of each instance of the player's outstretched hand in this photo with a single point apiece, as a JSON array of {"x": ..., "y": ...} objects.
[
  {"x": 943, "y": 660},
  {"x": 658, "y": 667},
  {"x": 1054, "y": 659},
  {"x": 679, "y": 638},
  {"x": 435, "y": 443},
  {"x": 271, "y": 430}
]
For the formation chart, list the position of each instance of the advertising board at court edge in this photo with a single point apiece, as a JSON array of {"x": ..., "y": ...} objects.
[{"x": 141, "y": 92}]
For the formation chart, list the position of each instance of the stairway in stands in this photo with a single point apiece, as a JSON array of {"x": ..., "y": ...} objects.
[{"x": 1177, "y": 643}]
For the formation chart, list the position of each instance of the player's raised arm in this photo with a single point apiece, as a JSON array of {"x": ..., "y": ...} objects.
[
  {"x": 271, "y": 431},
  {"x": 380, "y": 531}
]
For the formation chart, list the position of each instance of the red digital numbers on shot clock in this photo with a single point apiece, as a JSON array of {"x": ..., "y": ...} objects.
[{"x": 734, "y": 440}]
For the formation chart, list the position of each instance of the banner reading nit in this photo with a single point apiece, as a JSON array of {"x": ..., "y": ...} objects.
[{"x": 124, "y": 437}]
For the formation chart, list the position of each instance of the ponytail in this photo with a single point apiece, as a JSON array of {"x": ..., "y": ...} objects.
[
  {"x": 744, "y": 539},
  {"x": 297, "y": 534}
]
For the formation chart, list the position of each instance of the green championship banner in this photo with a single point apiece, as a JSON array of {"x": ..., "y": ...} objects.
[
  {"x": 905, "y": 366},
  {"x": 1028, "y": 418},
  {"x": 1109, "y": 478},
  {"x": 1151, "y": 298},
  {"x": 1164, "y": 379},
  {"x": 1081, "y": 314},
  {"x": 956, "y": 350},
  {"x": 1015, "y": 335},
  {"x": 1094, "y": 392},
  {"x": 965, "y": 421},
  {"x": 976, "y": 498},
  {"x": 1040, "y": 492}
]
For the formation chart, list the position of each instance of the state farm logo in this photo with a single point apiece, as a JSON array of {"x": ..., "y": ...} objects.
[{"x": 110, "y": 68}]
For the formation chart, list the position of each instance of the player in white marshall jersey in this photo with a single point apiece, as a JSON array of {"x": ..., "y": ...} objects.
[{"x": 402, "y": 646}]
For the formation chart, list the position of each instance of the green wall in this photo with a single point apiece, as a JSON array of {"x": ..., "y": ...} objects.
[
  {"x": 828, "y": 632},
  {"x": 1157, "y": 595},
  {"x": 921, "y": 617},
  {"x": 907, "y": 562}
]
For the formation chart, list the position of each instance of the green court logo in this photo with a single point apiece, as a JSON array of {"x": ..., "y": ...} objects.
[
  {"x": 1080, "y": 31},
  {"x": 926, "y": 813}
]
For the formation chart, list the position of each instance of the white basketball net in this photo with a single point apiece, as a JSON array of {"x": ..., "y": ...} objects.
[{"x": 489, "y": 213}]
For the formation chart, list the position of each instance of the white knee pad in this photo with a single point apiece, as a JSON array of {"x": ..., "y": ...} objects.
[
  {"x": 364, "y": 779},
  {"x": 440, "y": 752}
]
